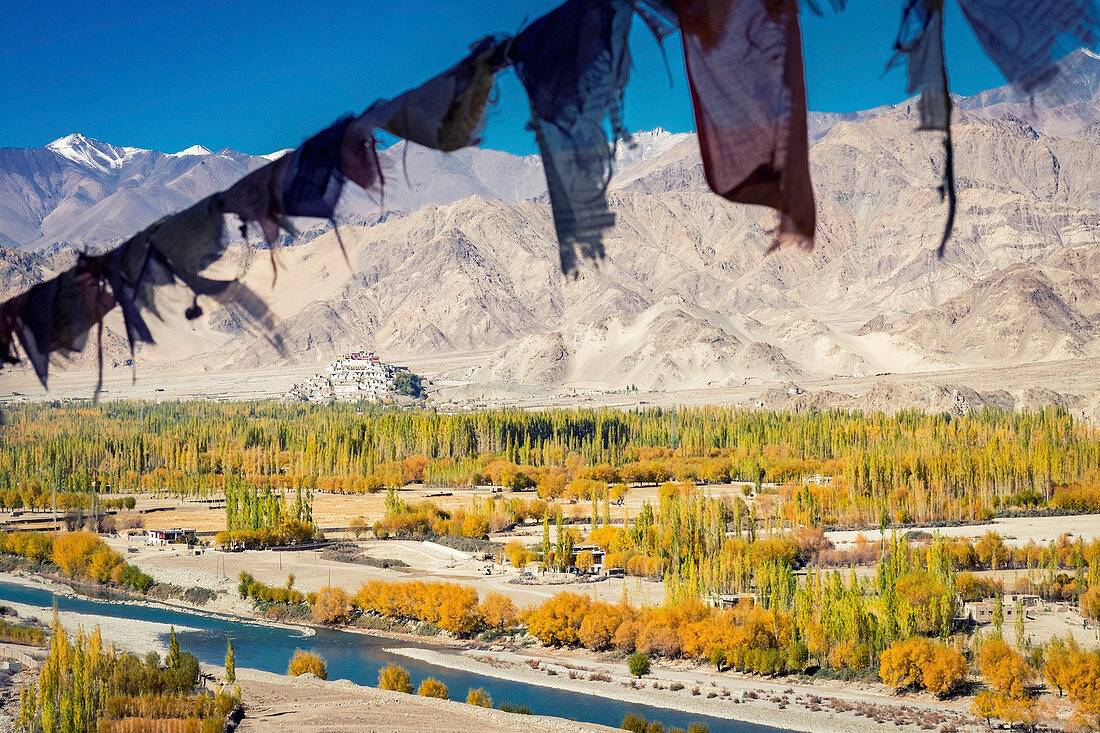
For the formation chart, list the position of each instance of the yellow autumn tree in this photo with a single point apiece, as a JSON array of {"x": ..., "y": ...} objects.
[
  {"x": 498, "y": 611},
  {"x": 458, "y": 609},
  {"x": 601, "y": 621},
  {"x": 331, "y": 607},
  {"x": 1007, "y": 675},
  {"x": 73, "y": 551},
  {"x": 919, "y": 663},
  {"x": 558, "y": 620}
]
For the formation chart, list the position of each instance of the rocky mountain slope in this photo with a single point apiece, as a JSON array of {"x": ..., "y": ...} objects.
[{"x": 464, "y": 259}]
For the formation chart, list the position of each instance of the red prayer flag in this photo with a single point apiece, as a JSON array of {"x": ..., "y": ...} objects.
[{"x": 744, "y": 63}]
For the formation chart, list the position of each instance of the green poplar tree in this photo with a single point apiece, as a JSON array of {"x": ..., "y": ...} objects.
[
  {"x": 546, "y": 542},
  {"x": 173, "y": 649},
  {"x": 1021, "y": 633},
  {"x": 230, "y": 663},
  {"x": 559, "y": 549}
]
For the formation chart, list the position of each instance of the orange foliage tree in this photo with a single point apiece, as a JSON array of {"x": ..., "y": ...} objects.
[{"x": 922, "y": 664}]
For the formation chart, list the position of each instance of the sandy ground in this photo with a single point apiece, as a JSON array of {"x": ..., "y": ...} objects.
[
  {"x": 307, "y": 705},
  {"x": 1055, "y": 619},
  {"x": 1013, "y": 530},
  {"x": 783, "y": 704},
  {"x": 219, "y": 571}
]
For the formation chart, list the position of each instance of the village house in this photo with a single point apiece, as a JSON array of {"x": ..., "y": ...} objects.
[
  {"x": 168, "y": 536},
  {"x": 731, "y": 600},
  {"x": 981, "y": 612},
  {"x": 598, "y": 556}
]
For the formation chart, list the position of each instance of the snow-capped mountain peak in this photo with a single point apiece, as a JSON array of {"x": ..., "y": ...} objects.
[
  {"x": 277, "y": 154},
  {"x": 193, "y": 150},
  {"x": 92, "y": 153},
  {"x": 647, "y": 144}
]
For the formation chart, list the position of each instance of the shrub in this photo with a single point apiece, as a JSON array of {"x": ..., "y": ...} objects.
[
  {"x": 478, "y": 696},
  {"x": 249, "y": 587},
  {"x": 638, "y": 664},
  {"x": 396, "y": 678},
  {"x": 638, "y": 724},
  {"x": 136, "y": 579},
  {"x": 508, "y": 707},
  {"x": 431, "y": 687},
  {"x": 307, "y": 663},
  {"x": 357, "y": 526},
  {"x": 29, "y": 635}
]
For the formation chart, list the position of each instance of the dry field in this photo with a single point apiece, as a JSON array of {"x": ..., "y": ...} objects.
[{"x": 1014, "y": 530}]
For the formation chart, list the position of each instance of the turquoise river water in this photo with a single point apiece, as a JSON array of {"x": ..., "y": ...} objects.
[{"x": 358, "y": 657}]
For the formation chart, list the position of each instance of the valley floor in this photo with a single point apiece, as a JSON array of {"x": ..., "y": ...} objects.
[
  {"x": 281, "y": 703},
  {"x": 1074, "y": 383}
]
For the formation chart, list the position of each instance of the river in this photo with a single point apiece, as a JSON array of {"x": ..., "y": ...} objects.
[{"x": 358, "y": 657}]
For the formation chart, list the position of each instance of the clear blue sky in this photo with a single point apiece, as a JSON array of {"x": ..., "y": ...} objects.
[{"x": 260, "y": 76}]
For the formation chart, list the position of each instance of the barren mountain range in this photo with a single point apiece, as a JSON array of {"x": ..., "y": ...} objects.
[{"x": 461, "y": 256}]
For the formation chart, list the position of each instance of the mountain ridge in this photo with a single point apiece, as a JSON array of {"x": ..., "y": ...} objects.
[{"x": 465, "y": 260}]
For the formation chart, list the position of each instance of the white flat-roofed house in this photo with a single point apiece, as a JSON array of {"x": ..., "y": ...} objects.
[
  {"x": 168, "y": 536},
  {"x": 598, "y": 556}
]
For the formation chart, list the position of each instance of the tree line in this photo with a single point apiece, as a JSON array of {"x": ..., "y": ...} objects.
[{"x": 849, "y": 468}]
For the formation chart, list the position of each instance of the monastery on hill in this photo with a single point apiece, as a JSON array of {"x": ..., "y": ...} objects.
[{"x": 352, "y": 377}]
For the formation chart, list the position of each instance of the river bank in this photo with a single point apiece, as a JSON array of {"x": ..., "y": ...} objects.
[
  {"x": 58, "y": 587},
  {"x": 281, "y": 704},
  {"x": 814, "y": 708}
]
